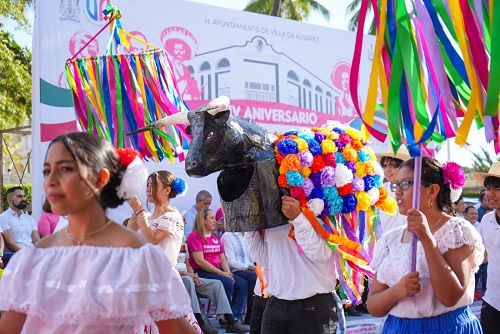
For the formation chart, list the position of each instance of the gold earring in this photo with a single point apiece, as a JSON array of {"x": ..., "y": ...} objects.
[{"x": 430, "y": 203}]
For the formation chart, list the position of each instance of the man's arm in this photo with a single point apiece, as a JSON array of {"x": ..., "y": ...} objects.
[
  {"x": 35, "y": 236},
  {"x": 9, "y": 240},
  {"x": 314, "y": 247}
]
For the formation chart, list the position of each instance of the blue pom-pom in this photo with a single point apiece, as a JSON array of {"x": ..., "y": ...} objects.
[
  {"x": 363, "y": 155},
  {"x": 340, "y": 158},
  {"x": 291, "y": 133},
  {"x": 350, "y": 203},
  {"x": 316, "y": 193},
  {"x": 336, "y": 204},
  {"x": 294, "y": 179},
  {"x": 306, "y": 135},
  {"x": 314, "y": 147},
  {"x": 379, "y": 182},
  {"x": 369, "y": 182},
  {"x": 339, "y": 130},
  {"x": 179, "y": 186},
  {"x": 287, "y": 146}
]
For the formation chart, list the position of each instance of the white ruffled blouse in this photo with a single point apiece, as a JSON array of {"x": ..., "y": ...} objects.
[
  {"x": 90, "y": 289},
  {"x": 392, "y": 262}
]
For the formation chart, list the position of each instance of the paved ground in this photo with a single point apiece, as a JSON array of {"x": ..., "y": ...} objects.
[{"x": 364, "y": 321}]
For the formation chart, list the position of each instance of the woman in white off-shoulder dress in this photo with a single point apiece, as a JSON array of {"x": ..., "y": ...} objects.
[
  {"x": 435, "y": 298},
  {"x": 95, "y": 276}
]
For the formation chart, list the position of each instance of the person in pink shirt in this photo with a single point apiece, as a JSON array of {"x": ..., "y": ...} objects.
[
  {"x": 47, "y": 221},
  {"x": 206, "y": 256}
]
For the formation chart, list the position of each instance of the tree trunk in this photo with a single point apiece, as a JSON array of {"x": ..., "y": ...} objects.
[{"x": 276, "y": 8}]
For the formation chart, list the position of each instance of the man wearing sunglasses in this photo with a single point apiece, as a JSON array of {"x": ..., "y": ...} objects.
[{"x": 391, "y": 163}]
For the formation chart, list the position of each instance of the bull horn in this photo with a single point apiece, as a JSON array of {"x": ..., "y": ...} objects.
[
  {"x": 177, "y": 118},
  {"x": 217, "y": 105}
]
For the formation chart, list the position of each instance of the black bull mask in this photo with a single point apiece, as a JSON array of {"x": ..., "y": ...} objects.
[{"x": 243, "y": 151}]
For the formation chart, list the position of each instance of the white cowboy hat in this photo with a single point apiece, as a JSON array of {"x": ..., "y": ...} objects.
[
  {"x": 494, "y": 171},
  {"x": 402, "y": 154}
]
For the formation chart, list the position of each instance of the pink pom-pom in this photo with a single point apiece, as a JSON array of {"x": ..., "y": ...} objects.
[{"x": 454, "y": 175}]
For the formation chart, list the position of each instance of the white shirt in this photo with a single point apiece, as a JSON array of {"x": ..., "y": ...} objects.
[
  {"x": 236, "y": 251},
  {"x": 392, "y": 262},
  {"x": 390, "y": 222},
  {"x": 22, "y": 227},
  {"x": 61, "y": 223},
  {"x": 189, "y": 219},
  {"x": 490, "y": 231},
  {"x": 294, "y": 274},
  {"x": 173, "y": 223}
]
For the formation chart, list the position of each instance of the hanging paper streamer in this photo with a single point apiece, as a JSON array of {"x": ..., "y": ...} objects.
[
  {"x": 432, "y": 64},
  {"x": 116, "y": 93},
  {"x": 338, "y": 182}
]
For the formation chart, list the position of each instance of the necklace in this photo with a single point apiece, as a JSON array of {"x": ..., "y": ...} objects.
[
  {"x": 442, "y": 216},
  {"x": 87, "y": 236}
]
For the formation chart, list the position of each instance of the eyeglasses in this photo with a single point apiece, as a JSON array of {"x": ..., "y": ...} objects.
[
  {"x": 393, "y": 164},
  {"x": 403, "y": 185}
]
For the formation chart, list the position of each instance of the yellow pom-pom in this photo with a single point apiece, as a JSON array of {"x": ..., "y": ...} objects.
[
  {"x": 302, "y": 144},
  {"x": 306, "y": 171},
  {"x": 355, "y": 134},
  {"x": 364, "y": 201},
  {"x": 370, "y": 167},
  {"x": 328, "y": 146},
  {"x": 360, "y": 169}
]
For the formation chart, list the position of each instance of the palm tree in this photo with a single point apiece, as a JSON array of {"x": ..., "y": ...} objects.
[
  {"x": 482, "y": 161},
  {"x": 353, "y": 9},
  {"x": 290, "y": 9}
]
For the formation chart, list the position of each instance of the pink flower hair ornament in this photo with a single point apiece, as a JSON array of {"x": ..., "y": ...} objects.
[{"x": 454, "y": 175}]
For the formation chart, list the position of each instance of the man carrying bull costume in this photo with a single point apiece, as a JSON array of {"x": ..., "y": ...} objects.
[
  {"x": 302, "y": 275},
  {"x": 334, "y": 186}
]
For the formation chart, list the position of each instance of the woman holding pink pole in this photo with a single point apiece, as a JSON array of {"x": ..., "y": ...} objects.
[{"x": 435, "y": 297}]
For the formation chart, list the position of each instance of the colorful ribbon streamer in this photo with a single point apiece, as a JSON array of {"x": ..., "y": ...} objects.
[{"x": 116, "y": 93}]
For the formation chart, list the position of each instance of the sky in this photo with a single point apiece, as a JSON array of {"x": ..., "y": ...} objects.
[{"x": 338, "y": 20}]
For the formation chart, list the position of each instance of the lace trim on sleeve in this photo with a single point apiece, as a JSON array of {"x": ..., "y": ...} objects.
[{"x": 458, "y": 232}]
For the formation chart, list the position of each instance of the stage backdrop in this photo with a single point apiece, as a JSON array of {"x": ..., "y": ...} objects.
[{"x": 283, "y": 74}]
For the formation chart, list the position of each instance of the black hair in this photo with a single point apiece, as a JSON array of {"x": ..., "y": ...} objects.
[
  {"x": 13, "y": 190},
  {"x": 458, "y": 200},
  {"x": 432, "y": 173},
  {"x": 95, "y": 153},
  {"x": 468, "y": 208},
  {"x": 387, "y": 160},
  {"x": 492, "y": 181}
]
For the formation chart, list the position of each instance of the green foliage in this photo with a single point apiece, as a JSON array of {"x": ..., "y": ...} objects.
[
  {"x": 27, "y": 190},
  {"x": 297, "y": 10},
  {"x": 15, "y": 82},
  {"x": 471, "y": 194},
  {"x": 16, "y": 10},
  {"x": 353, "y": 9},
  {"x": 482, "y": 161}
]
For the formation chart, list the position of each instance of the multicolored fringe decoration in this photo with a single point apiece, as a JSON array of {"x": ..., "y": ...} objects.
[
  {"x": 432, "y": 60},
  {"x": 116, "y": 93},
  {"x": 339, "y": 184}
]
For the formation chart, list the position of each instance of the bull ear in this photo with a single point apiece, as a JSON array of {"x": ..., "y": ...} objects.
[{"x": 222, "y": 117}]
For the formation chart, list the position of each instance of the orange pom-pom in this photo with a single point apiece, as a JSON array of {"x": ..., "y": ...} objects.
[
  {"x": 282, "y": 181},
  {"x": 318, "y": 163}
]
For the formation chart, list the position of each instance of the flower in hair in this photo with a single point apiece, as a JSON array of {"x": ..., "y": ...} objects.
[
  {"x": 134, "y": 173},
  {"x": 127, "y": 155},
  {"x": 453, "y": 175},
  {"x": 179, "y": 186}
]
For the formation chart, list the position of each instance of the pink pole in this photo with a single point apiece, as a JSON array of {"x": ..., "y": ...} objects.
[{"x": 417, "y": 177}]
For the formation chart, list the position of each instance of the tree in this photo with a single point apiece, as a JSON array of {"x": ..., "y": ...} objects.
[
  {"x": 353, "y": 9},
  {"x": 297, "y": 10},
  {"x": 482, "y": 161},
  {"x": 16, "y": 10},
  {"x": 15, "y": 82}
]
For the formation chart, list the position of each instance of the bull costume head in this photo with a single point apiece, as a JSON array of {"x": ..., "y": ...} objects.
[{"x": 244, "y": 152}]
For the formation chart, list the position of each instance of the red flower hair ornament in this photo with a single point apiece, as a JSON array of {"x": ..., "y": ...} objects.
[{"x": 134, "y": 173}]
